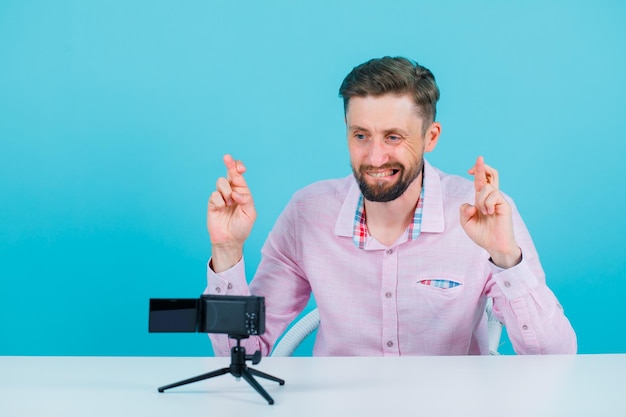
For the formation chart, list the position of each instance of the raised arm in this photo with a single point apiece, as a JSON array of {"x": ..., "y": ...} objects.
[{"x": 230, "y": 216}]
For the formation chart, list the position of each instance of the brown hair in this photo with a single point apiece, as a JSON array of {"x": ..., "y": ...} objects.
[{"x": 393, "y": 75}]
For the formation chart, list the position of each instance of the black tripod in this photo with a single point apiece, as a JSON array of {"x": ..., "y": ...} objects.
[{"x": 237, "y": 368}]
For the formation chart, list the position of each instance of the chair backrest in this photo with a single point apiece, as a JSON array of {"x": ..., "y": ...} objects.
[
  {"x": 298, "y": 332},
  {"x": 311, "y": 321},
  {"x": 494, "y": 327}
]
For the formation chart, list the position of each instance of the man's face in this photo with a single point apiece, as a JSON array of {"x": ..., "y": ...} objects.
[{"x": 387, "y": 144}]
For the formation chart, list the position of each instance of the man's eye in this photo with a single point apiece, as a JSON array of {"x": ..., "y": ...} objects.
[
  {"x": 393, "y": 138},
  {"x": 360, "y": 136}
]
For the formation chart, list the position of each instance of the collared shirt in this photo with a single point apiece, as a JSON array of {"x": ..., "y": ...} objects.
[
  {"x": 361, "y": 235},
  {"x": 380, "y": 300}
]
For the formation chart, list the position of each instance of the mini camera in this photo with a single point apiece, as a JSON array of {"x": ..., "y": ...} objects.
[{"x": 230, "y": 314}]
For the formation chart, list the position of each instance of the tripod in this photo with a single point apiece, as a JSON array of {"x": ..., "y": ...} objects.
[{"x": 237, "y": 368}]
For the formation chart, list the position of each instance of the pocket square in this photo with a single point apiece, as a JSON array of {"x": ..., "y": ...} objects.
[{"x": 440, "y": 283}]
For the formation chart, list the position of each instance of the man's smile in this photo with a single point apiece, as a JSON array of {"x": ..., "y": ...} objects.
[{"x": 383, "y": 174}]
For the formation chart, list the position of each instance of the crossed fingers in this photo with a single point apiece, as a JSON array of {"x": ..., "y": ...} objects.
[
  {"x": 486, "y": 185},
  {"x": 231, "y": 188},
  {"x": 484, "y": 174}
]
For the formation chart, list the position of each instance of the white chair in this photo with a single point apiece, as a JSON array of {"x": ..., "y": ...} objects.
[
  {"x": 494, "y": 327},
  {"x": 310, "y": 322},
  {"x": 298, "y": 332}
]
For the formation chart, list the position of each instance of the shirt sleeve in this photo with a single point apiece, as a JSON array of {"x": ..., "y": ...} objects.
[
  {"x": 278, "y": 279},
  {"x": 533, "y": 317}
]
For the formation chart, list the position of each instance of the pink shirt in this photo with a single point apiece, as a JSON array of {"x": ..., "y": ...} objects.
[{"x": 380, "y": 300}]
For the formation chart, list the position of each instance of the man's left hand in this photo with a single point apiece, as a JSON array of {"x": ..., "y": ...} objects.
[{"x": 489, "y": 222}]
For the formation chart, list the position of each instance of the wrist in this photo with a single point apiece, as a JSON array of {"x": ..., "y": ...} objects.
[
  {"x": 225, "y": 256},
  {"x": 508, "y": 259}
]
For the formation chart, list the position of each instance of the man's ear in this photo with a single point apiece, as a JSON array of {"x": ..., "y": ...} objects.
[{"x": 432, "y": 136}]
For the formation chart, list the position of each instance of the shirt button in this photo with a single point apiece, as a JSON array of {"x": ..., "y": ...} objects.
[
  {"x": 389, "y": 251},
  {"x": 218, "y": 290},
  {"x": 507, "y": 284},
  {"x": 230, "y": 286},
  {"x": 388, "y": 294},
  {"x": 524, "y": 327},
  {"x": 390, "y": 344}
]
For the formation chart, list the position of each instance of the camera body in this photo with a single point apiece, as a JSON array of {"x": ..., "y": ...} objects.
[{"x": 235, "y": 315}]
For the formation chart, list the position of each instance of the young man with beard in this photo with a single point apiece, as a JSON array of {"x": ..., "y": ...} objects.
[{"x": 400, "y": 257}]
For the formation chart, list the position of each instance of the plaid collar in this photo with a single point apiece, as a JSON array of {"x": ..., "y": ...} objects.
[{"x": 360, "y": 233}]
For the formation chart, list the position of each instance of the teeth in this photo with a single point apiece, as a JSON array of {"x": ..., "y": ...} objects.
[{"x": 381, "y": 174}]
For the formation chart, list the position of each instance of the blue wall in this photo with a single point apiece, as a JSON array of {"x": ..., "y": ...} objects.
[{"x": 114, "y": 116}]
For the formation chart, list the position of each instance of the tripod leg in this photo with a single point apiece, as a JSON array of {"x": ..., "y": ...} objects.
[
  {"x": 248, "y": 377},
  {"x": 266, "y": 376},
  {"x": 195, "y": 379}
]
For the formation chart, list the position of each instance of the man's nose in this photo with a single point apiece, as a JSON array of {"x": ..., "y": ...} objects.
[{"x": 378, "y": 153}]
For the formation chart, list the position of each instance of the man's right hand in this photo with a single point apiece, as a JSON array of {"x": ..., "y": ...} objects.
[{"x": 230, "y": 216}]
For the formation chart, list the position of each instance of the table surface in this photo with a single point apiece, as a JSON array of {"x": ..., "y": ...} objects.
[{"x": 552, "y": 385}]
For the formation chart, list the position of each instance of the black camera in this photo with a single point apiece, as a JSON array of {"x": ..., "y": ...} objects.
[
  {"x": 238, "y": 316},
  {"x": 235, "y": 315}
]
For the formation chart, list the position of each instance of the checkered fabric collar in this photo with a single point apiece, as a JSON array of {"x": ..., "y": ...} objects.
[{"x": 360, "y": 233}]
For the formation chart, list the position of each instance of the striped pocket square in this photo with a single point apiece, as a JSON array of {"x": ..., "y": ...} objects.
[{"x": 440, "y": 283}]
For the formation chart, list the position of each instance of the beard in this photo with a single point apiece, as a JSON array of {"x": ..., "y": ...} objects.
[{"x": 381, "y": 192}]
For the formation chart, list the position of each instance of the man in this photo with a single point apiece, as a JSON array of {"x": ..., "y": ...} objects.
[{"x": 400, "y": 257}]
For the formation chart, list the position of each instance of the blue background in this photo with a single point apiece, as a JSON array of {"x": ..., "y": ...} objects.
[{"x": 114, "y": 116}]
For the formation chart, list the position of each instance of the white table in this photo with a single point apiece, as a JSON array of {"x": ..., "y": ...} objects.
[{"x": 582, "y": 385}]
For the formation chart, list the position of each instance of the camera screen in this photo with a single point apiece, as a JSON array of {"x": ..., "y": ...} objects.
[{"x": 173, "y": 315}]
